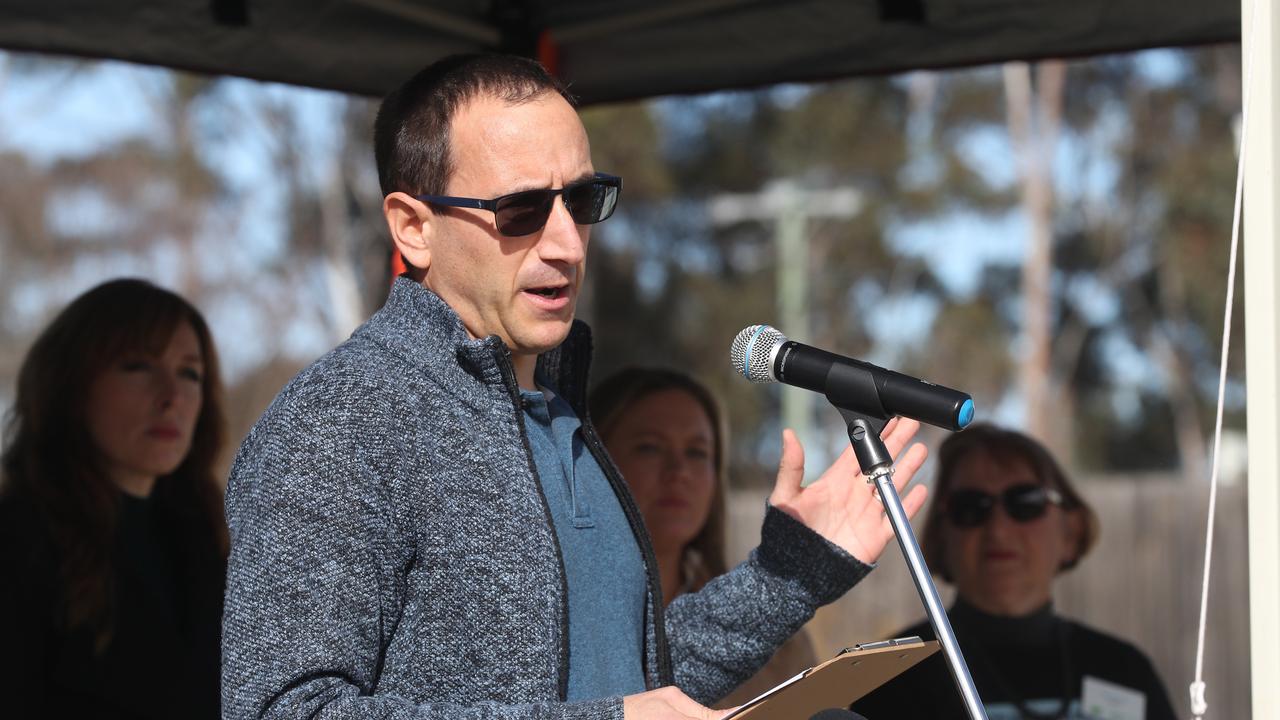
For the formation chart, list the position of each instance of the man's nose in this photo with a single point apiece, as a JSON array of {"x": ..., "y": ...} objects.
[{"x": 562, "y": 239}]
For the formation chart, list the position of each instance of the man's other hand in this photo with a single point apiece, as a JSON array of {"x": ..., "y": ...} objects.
[
  {"x": 667, "y": 703},
  {"x": 840, "y": 506}
]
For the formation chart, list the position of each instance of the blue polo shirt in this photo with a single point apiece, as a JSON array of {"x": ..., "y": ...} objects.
[{"x": 602, "y": 563}]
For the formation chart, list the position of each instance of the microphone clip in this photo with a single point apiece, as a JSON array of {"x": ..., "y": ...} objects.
[{"x": 864, "y": 436}]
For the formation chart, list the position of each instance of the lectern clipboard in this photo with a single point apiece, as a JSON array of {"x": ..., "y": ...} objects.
[{"x": 837, "y": 682}]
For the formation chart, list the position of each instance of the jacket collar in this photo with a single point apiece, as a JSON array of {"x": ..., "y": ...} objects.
[
  {"x": 569, "y": 364},
  {"x": 420, "y": 327}
]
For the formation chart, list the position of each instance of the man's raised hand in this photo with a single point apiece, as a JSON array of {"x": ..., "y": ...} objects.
[{"x": 841, "y": 506}]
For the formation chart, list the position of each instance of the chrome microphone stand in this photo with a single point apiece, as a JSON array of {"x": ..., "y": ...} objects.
[{"x": 877, "y": 468}]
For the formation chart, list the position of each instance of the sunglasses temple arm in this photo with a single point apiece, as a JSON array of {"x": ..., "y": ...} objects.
[{"x": 877, "y": 467}]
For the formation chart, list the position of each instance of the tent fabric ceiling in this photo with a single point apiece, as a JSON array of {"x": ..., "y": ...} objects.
[{"x": 607, "y": 51}]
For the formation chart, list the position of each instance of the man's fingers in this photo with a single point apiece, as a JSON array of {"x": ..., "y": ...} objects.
[
  {"x": 845, "y": 466},
  {"x": 888, "y": 427},
  {"x": 915, "y": 500},
  {"x": 690, "y": 708},
  {"x": 709, "y": 714},
  {"x": 790, "y": 469},
  {"x": 898, "y": 433},
  {"x": 687, "y": 707},
  {"x": 906, "y": 467},
  {"x": 667, "y": 703},
  {"x": 911, "y": 505}
]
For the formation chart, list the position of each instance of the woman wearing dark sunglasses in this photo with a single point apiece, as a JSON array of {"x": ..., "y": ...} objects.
[{"x": 1005, "y": 521}]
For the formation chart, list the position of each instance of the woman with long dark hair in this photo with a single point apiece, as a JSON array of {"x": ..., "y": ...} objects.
[{"x": 112, "y": 540}]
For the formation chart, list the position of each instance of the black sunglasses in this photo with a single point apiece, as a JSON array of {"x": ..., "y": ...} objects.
[
  {"x": 1022, "y": 503},
  {"x": 524, "y": 213}
]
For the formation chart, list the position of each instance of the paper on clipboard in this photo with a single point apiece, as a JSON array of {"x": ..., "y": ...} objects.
[{"x": 837, "y": 682}]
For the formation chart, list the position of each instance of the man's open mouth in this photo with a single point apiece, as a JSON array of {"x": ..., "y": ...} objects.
[{"x": 549, "y": 292}]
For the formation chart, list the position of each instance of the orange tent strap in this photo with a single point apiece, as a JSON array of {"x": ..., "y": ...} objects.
[
  {"x": 397, "y": 266},
  {"x": 548, "y": 52}
]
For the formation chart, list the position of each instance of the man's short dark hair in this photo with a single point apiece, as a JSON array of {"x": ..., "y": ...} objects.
[{"x": 411, "y": 134}]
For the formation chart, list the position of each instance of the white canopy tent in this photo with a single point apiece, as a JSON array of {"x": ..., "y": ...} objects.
[{"x": 1262, "y": 298}]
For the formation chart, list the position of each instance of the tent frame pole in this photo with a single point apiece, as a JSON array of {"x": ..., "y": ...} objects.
[{"x": 1262, "y": 298}]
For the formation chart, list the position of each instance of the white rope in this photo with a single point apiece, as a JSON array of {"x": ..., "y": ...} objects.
[{"x": 1197, "y": 688}]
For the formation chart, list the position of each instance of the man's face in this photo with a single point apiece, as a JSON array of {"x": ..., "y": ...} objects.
[{"x": 522, "y": 289}]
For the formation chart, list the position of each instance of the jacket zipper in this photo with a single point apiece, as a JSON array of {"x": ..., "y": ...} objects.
[
  {"x": 665, "y": 673},
  {"x": 503, "y": 356}
]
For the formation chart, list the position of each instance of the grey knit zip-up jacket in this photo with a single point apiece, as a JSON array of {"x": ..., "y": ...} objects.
[{"x": 393, "y": 555}]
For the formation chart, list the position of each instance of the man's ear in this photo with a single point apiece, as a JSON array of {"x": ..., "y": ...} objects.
[{"x": 412, "y": 225}]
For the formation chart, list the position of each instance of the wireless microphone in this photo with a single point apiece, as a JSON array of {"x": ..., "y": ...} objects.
[{"x": 762, "y": 354}]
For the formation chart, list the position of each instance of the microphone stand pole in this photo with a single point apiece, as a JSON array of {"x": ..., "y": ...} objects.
[{"x": 877, "y": 467}]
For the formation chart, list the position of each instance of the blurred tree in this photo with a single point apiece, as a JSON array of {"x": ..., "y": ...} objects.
[
  {"x": 1142, "y": 181},
  {"x": 670, "y": 286},
  {"x": 77, "y": 214},
  {"x": 1141, "y": 167},
  {"x": 1157, "y": 243},
  {"x": 222, "y": 193}
]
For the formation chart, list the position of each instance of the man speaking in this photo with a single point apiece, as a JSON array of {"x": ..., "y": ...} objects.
[{"x": 424, "y": 522}]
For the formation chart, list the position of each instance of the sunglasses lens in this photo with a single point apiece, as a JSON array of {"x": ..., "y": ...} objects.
[
  {"x": 591, "y": 202},
  {"x": 523, "y": 213},
  {"x": 1025, "y": 503},
  {"x": 969, "y": 508},
  {"x": 527, "y": 212}
]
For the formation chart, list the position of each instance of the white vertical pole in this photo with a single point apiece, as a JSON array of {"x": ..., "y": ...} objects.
[
  {"x": 793, "y": 308},
  {"x": 1261, "y": 270}
]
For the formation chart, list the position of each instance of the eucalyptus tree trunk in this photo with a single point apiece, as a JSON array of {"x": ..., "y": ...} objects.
[{"x": 1034, "y": 115}]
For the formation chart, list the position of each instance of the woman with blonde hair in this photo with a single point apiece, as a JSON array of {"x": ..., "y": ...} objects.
[
  {"x": 665, "y": 432},
  {"x": 112, "y": 542}
]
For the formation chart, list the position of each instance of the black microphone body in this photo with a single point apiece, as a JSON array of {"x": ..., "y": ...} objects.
[
  {"x": 844, "y": 381},
  {"x": 848, "y": 383}
]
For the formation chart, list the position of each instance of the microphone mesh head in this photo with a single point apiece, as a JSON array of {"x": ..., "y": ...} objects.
[{"x": 752, "y": 352}]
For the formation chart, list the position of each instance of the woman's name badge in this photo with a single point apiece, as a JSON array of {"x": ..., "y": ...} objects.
[{"x": 1103, "y": 700}]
